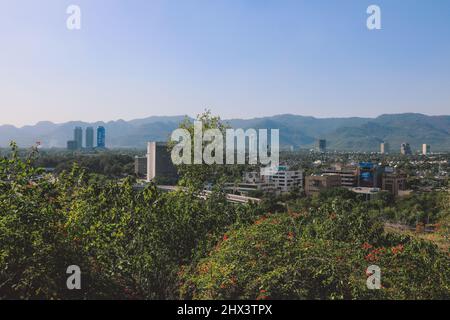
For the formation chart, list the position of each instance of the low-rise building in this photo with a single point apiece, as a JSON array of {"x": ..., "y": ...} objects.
[
  {"x": 316, "y": 183},
  {"x": 369, "y": 175},
  {"x": 286, "y": 180},
  {"x": 282, "y": 180},
  {"x": 252, "y": 181},
  {"x": 368, "y": 193},
  {"x": 393, "y": 182},
  {"x": 348, "y": 174}
]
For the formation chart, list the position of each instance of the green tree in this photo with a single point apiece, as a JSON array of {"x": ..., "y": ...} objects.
[{"x": 313, "y": 255}]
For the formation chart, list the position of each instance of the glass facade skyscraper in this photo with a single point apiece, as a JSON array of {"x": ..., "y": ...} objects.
[
  {"x": 78, "y": 137},
  {"x": 322, "y": 145},
  {"x": 89, "y": 138},
  {"x": 101, "y": 137}
]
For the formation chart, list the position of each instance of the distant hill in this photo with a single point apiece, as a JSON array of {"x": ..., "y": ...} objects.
[
  {"x": 352, "y": 134},
  {"x": 395, "y": 129}
]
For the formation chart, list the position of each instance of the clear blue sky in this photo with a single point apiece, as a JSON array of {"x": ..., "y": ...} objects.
[{"x": 240, "y": 58}]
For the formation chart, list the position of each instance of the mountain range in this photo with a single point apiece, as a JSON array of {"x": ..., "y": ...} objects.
[{"x": 345, "y": 134}]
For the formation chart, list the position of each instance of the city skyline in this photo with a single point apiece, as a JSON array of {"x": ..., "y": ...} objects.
[
  {"x": 241, "y": 59},
  {"x": 362, "y": 134},
  {"x": 77, "y": 142}
]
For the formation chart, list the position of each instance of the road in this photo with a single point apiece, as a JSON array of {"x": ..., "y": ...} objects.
[{"x": 230, "y": 197}]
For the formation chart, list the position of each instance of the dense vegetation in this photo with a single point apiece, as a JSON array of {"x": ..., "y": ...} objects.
[
  {"x": 105, "y": 163},
  {"x": 317, "y": 255},
  {"x": 128, "y": 244},
  {"x": 416, "y": 208},
  {"x": 145, "y": 244}
]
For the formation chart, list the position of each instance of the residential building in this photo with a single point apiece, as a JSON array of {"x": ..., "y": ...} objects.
[{"x": 316, "y": 183}]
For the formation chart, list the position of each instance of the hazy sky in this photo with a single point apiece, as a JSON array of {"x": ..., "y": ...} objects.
[{"x": 239, "y": 58}]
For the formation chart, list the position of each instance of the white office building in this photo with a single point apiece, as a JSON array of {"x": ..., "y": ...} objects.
[
  {"x": 281, "y": 181},
  {"x": 285, "y": 180}
]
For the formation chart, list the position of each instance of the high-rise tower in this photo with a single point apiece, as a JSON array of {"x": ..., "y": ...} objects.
[
  {"x": 78, "y": 137},
  {"x": 426, "y": 149},
  {"x": 321, "y": 145},
  {"x": 405, "y": 149},
  {"x": 384, "y": 147},
  {"x": 89, "y": 138},
  {"x": 159, "y": 161},
  {"x": 101, "y": 137}
]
